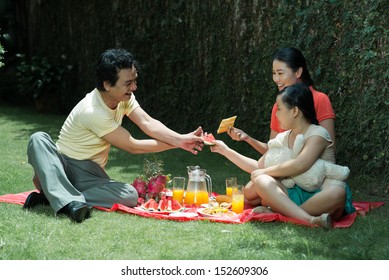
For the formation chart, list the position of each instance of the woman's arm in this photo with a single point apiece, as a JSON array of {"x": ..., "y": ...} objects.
[{"x": 239, "y": 135}]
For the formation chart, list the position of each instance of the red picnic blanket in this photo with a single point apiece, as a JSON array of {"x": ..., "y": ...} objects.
[{"x": 362, "y": 208}]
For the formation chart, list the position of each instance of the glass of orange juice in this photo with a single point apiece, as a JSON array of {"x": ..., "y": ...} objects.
[
  {"x": 178, "y": 188},
  {"x": 231, "y": 183},
  {"x": 237, "y": 199}
]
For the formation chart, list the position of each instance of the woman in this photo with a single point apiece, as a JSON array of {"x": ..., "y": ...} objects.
[
  {"x": 296, "y": 114},
  {"x": 289, "y": 68}
]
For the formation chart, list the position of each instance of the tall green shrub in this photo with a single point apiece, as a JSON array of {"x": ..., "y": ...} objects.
[{"x": 1, "y": 55}]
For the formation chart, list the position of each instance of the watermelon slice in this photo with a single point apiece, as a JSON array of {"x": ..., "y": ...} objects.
[
  {"x": 176, "y": 206},
  {"x": 153, "y": 206},
  {"x": 147, "y": 204},
  {"x": 208, "y": 138},
  {"x": 162, "y": 205},
  {"x": 169, "y": 205}
]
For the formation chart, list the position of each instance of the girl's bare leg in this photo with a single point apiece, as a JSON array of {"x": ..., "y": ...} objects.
[
  {"x": 331, "y": 199},
  {"x": 273, "y": 192},
  {"x": 251, "y": 195}
]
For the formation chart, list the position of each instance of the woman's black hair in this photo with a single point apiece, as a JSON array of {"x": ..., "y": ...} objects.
[
  {"x": 301, "y": 96},
  {"x": 109, "y": 64},
  {"x": 294, "y": 59}
]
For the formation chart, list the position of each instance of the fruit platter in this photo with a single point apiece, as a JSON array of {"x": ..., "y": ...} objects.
[{"x": 163, "y": 206}]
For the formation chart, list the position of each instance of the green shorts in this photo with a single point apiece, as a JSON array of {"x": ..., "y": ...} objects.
[{"x": 299, "y": 196}]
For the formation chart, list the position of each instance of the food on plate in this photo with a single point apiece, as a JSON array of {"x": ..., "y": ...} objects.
[
  {"x": 225, "y": 124},
  {"x": 223, "y": 198},
  {"x": 216, "y": 212},
  {"x": 225, "y": 205},
  {"x": 215, "y": 209},
  {"x": 208, "y": 138}
]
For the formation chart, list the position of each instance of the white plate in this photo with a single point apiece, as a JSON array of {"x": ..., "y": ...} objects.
[
  {"x": 230, "y": 215},
  {"x": 157, "y": 212}
]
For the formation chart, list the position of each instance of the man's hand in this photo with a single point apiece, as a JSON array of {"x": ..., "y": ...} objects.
[{"x": 193, "y": 142}]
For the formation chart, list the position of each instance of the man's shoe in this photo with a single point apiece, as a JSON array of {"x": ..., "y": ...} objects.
[
  {"x": 34, "y": 199},
  {"x": 76, "y": 210},
  {"x": 89, "y": 213}
]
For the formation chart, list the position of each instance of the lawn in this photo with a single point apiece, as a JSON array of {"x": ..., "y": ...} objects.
[{"x": 39, "y": 235}]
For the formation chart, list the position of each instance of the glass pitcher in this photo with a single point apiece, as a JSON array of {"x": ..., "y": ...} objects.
[{"x": 199, "y": 188}]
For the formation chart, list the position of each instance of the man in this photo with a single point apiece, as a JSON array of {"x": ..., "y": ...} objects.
[{"x": 70, "y": 173}]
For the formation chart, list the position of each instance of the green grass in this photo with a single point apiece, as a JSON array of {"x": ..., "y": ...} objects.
[{"x": 39, "y": 235}]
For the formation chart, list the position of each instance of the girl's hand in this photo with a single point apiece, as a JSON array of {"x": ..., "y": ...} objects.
[{"x": 219, "y": 147}]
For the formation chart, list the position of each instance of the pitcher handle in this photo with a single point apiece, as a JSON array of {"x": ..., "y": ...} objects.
[{"x": 209, "y": 182}]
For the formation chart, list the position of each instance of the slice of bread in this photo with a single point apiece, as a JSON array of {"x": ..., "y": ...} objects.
[{"x": 225, "y": 124}]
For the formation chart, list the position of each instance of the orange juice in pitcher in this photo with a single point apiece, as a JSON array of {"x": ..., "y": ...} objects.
[
  {"x": 198, "y": 198},
  {"x": 189, "y": 198},
  {"x": 199, "y": 186}
]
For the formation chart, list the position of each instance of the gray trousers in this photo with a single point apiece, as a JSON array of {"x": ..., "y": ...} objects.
[{"x": 63, "y": 179}]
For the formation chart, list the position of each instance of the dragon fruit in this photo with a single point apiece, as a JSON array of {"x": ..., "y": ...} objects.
[
  {"x": 140, "y": 185},
  {"x": 155, "y": 185}
]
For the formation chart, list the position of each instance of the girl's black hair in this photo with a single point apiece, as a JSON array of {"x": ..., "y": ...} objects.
[
  {"x": 301, "y": 96},
  {"x": 294, "y": 59}
]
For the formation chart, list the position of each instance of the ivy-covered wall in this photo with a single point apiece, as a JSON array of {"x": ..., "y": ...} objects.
[{"x": 205, "y": 60}]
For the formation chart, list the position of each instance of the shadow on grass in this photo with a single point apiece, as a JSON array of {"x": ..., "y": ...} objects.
[{"x": 28, "y": 121}]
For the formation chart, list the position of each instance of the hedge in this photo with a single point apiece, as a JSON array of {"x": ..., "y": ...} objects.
[{"x": 205, "y": 60}]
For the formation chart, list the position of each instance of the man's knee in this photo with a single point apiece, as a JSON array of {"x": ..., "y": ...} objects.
[
  {"x": 129, "y": 197},
  {"x": 37, "y": 139}
]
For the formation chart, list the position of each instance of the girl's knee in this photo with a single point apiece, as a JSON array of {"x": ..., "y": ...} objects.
[
  {"x": 262, "y": 181},
  {"x": 336, "y": 193}
]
